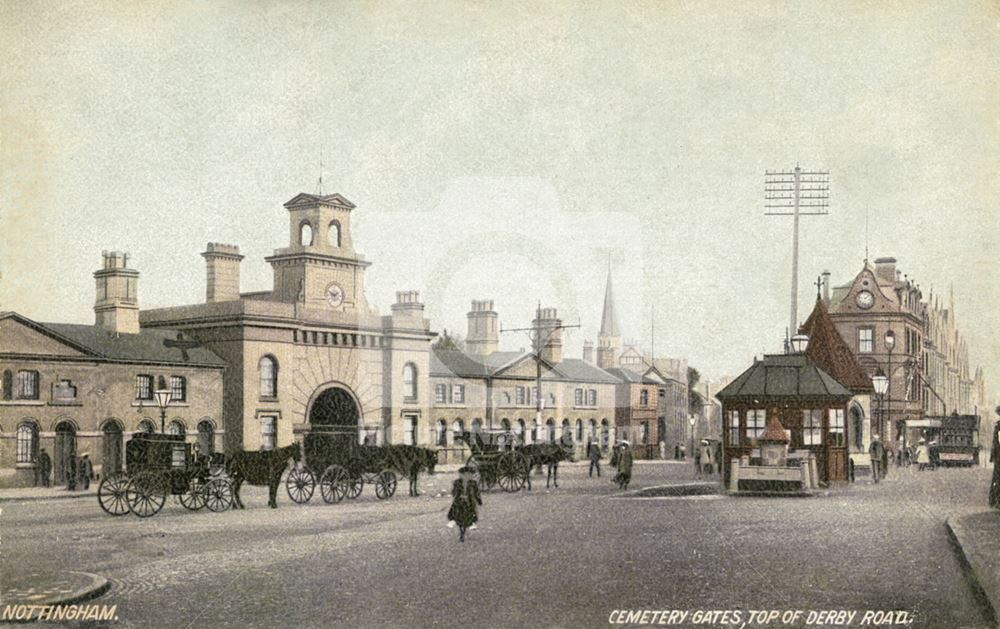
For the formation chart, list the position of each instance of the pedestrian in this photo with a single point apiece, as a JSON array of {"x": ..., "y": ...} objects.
[
  {"x": 900, "y": 449},
  {"x": 624, "y": 476},
  {"x": 995, "y": 459},
  {"x": 44, "y": 467},
  {"x": 677, "y": 451},
  {"x": 663, "y": 450},
  {"x": 70, "y": 472},
  {"x": 877, "y": 453},
  {"x": 885, "y": 462},
  {"x": 707, "y": 457},
  {"x": 718, "y": 457},
  {"x": 84, "y": 472},
  {"x": 594, "y": 454},
  {"x": 923, "y": 455},
  {"x": 696, "y": 453},
  {"x": 465, "y": 499}
]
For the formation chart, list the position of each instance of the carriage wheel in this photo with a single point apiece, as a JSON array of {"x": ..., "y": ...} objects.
[
  {"x": 333, "y": 484},
  {"x": 385, "y": 484},
  {"x": 146, "y": 493},
  {"x": 111, "y": 494},
  {"x": 300, "y": 485},
  {"x": 512, "y": 471},
  {"x": 194, "y": 497},
  {"x": 354, "y": 487},
  {"x": 218, "y": 494}
]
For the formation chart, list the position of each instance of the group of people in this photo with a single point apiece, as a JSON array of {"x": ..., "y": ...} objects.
[
  {"x": 77, "y": 472},
  {"x": 707, "y": 458},
  {"x": 880, "y": 455},
  {"x": 621, "y": 460}
]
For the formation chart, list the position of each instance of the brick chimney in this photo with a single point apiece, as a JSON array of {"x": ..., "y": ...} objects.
[
  {"x": 826, "y": 288},
  {"x": 885, "y": 271},
  {"x": 588, "y": 352},
  {"x": 222, "y": 266},
  {"x": 547, "y": 322},
  {"x": 408, "y": 304},
  {"x": 117, "y": 305},
  {"x": 482, "y": 336}
]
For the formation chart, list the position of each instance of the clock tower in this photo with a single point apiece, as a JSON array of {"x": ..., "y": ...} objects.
[{"x": 320, "y": 268}]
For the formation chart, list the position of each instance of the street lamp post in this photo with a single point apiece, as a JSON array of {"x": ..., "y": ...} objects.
[
  {"x": 691, "y": 421},
  {"x": 881, "y": 384},
  {"x": 162, "y": 400},
  {"x": 890, "y": 342}
]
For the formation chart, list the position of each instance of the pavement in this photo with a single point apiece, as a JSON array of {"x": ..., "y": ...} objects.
[
  {"x": 977, "y": 536},
  {"x": 45, "y": 493}
]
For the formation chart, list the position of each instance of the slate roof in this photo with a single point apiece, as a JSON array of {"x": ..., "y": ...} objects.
[
  {"x": 464, "y": 365},
  {"x": 146, "y": 346},
  {"x": 828, "y": 349},
  {"x": 784, "y": 376},
  {"x": 304, "y": 198},
  {"x": 626, "y": 375}
]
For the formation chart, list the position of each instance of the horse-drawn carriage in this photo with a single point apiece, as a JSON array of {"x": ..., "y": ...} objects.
[
  {"x": 341, "y": 467},
  {"x": 159, "y": 465},
  {"x": 498, "y": 459}
]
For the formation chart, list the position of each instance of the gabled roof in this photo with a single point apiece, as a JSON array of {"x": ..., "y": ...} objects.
[
  {"x": 784, "y": 376},
  {"x": 147, "y": 346},
  {"x": 304, "y": 198},
  {"x": 625, "y": 375},
  {"x": 831, "y": 353},
  {"x": 449, "y": 363}
]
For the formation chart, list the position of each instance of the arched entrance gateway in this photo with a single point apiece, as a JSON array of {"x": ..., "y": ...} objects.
[
  {"x": 65, "y": 449},
  {"x": 335, "y": 412}
]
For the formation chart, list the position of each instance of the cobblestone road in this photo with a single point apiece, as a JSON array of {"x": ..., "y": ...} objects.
[{"x": 564, "y": 558}]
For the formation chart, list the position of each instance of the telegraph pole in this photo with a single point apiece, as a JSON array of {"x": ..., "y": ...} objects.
[
  {"x": 788, "y": 194},
  {"x": 540, "y": 336}
]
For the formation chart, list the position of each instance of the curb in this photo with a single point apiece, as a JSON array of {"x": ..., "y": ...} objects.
[
  {"x": 96, "y": 586},
  {"x": 974, "y": 569},
  {"x": 61, "y": 496}
]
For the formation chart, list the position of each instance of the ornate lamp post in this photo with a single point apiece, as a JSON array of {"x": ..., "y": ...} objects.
[
  {"x": 890, "y": 342},
  {"x": 691, "y": 421},
  {"x": 881, "y": 384},
  {"x": 162, "y": 400}
]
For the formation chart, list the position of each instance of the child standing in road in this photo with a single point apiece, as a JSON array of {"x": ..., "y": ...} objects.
[{"x": 465, "y": 499}]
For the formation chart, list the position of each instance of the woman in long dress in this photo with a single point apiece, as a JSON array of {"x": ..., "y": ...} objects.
[
  {"x": 465, "y": 499},
  {"x": 923, "y": 455}
]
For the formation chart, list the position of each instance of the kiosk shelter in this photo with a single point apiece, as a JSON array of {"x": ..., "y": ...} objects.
[{"x": 809, "y": 403}]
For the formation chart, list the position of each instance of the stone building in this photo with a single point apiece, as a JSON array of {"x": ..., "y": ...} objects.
[
  {"x": 484, "y": 389},
  {"x": 74, "y": 389},
  {"x": 310, "y": 353}
]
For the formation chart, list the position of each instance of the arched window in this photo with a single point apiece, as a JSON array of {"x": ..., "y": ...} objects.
[
  {"x": 176, "y": 428},
  {"x": 442, "y": 433},
  {"x": 268, "y": 368},
  {"x": 27, "y": 442},
  {"x": 593, "y": 430},
  {"x": 550, "y": 430},
  {"x": 333, "y": 236},
  {"x": 7, "y": 391},
  {"x": 519, "y": 430},
  {"x": 147, "y": 426},
  {"x": 477, "y": 425},
  {"x": 505, "y": 424},
  {"x": 858, "y": 426},
  {"x": 579, "y": 430},
  {"x": 111, "y": 447},
  {"x": 206, "y": 437},
  {"x": 457, "y": 428},
  {"x": 605, "y": 434},
  {"x": 410, "y": 381},
  {"x": 534, "y": 431},
  {"x": 305, "y": 234}
]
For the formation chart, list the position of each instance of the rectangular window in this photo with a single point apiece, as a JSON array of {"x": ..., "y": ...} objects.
[
  {"x": 578, "y": 397},
  {"x": 178, "y": 389},
  {"x": 441, "y": 393},
  {"x": 144, "y": 387},
  {"x": 756, "y": 419},
  {"x": 519, "y": 395},
  {"x": 812, "y": 427},
  {"x": 734, "y": 428},
  {"x": 592, "y": 397},
  {"x": 27, "y": 385},
  {"x": 866, "y": 343},
  {"x": 409, "y": 430},
  {"x": 268, "y": 432},
  {"x": 837, "y": 432},
  {"x": 458, "y": 394}
]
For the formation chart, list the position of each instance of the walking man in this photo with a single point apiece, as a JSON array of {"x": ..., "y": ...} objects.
[
  {"x": 85, "y": 472},
  {"x": 594, "y": 453},
  {"x": 44, "y": 468},
  {"x": 877, "y": 453},
  {"x": 624, "y": 465}
]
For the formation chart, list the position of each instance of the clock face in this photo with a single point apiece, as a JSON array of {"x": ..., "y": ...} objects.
[
  {"x": 865, "y": 299},
  {"x": 334, "y": 295}
]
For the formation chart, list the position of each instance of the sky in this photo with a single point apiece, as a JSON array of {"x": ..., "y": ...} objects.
[{"x": 510, "y": 151}]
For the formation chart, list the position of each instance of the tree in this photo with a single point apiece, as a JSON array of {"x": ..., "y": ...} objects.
[
  {"x": 448, "y": 341},
  {"x": 696, "y": 402}
]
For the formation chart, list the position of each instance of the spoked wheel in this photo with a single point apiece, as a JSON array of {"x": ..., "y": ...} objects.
[
  {"x": 146, "y": 493},
  {"x": 333, "y": 484},
  {"x": 194, "y": 497},
  {"x": 300, "y": 485},
  {"x": 385, "y": 484},
  {"x": 512, "y": 471},
  {"x": 355, "y": 486},
  {"x": 111, "y": 494},
  {"x": 218, "y": 494}
]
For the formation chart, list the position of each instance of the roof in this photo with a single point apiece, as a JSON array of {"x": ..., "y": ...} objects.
[
  {"x": 304, "y": 198},
  {"x": 784, "y": 376},
  {"x": 625, "y": 375},
  {"x": 609, "y": 321},
  {"x": 831, "y": 353},
  {"x": 774, "y": 431},
  {"x": 146, "y": 346},
  {"x": 468, "y": 365}
]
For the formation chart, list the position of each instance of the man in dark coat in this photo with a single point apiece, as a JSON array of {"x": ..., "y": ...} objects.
[
  {"x": 84, "y": 472},
  {"x": 465, "y": 498},
  {"x": 877, "y": 453},
  {"x": 594, "y": 453},
  {"x": 70, "y": 472},
  {"x": 44, "y": 468},
  {"x": 995, "y": 458},
  {"x": 624, "y": 465}
]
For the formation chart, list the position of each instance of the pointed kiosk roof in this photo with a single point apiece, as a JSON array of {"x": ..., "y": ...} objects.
[
  {"x": 609, "y": 320},
  {"x": 828, "y": 349}
]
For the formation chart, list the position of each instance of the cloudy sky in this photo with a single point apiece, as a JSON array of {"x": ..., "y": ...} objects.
[{"x": 511, "y": 151}]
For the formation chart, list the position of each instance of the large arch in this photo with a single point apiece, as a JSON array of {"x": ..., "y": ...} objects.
[
  {"x": 112, "y": 441},
  {"x": 64, "y": 450},
  {"x": 856, "y": 415},
  {"x": 334, "y": 410}
]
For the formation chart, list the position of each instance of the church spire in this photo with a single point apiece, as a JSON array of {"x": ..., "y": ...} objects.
[
  {"x": 609, "y": 341},
  {"x": 609, "y": 320}
]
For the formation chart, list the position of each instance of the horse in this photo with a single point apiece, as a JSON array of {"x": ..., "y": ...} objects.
[
  {"x": 260, "y": 468},
  {"x": 411, "y": 460},
  {"x": 548, "y": 454}
]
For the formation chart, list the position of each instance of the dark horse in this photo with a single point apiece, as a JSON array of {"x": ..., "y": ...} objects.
[
  {"x": 548, "y": 454},
  {"x": 260, "y": 468},
  {"x": 410, "y": 461}
]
